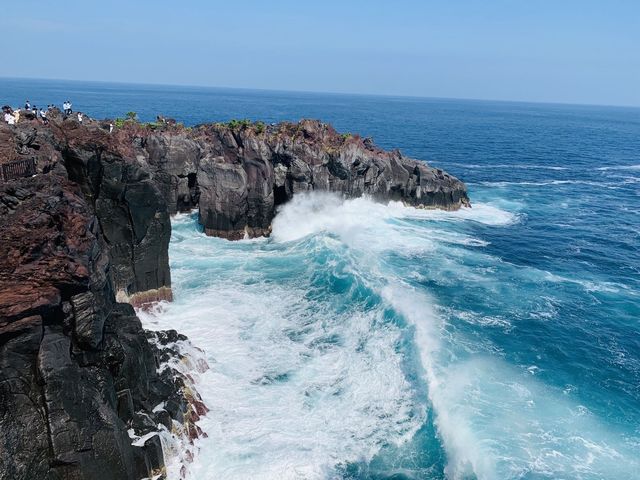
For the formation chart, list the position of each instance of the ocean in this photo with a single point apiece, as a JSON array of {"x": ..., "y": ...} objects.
[{"x": 370, "y": 341}]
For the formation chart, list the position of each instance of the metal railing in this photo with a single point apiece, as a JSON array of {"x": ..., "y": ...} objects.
[{"x": 17, "y": 169}]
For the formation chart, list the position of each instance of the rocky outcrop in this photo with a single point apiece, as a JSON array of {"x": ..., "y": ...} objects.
[
  {"x": 77, "y": 371},
  {"x": 132, "y": 211},
  {"x": 130, "y": 208},
  {"x": 237, "y": 174}
]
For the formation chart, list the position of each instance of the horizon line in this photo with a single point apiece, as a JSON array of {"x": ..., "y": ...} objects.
[{"x": 316, "y": 92}]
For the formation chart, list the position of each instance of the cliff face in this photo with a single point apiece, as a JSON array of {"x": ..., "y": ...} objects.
[
  {"x": 131, "y": 210},
  {"x": 237, "y": 174},
  {"x": 76, "y": 370}
]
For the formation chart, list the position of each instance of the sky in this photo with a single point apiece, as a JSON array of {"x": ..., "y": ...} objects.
[{"x": 567, "y": 51}]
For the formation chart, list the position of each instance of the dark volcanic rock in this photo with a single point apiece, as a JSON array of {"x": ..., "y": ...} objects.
[
  {"x": 131, "y": 210},
  {"x": 76, "y": 366},
  {"x": 237, "y": 174}
]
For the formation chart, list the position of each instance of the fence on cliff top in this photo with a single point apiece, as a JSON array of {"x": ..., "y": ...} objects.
[{"x": 17, "y": 169}]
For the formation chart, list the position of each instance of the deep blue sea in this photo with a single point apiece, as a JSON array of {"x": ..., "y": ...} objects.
[{"x": 368, "y": 341}]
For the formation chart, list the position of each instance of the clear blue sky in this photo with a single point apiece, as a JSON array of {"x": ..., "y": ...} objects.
[{"x": 573, "y": 51}]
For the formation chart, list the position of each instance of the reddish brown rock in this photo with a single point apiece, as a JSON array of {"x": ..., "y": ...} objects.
[{"x": 76, "y": 368}]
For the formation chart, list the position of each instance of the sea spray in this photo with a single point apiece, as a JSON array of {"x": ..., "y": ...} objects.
[
  {"x": 305, "y": 370},
  {"x": 179, "y": 433},
  {"x": 312, "y": 336}
]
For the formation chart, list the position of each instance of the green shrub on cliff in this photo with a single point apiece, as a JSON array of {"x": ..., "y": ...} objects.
[{"x": 237, "y": 124}]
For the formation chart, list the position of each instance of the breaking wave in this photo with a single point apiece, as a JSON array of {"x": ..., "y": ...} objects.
[{"x": 327, "y": 351}]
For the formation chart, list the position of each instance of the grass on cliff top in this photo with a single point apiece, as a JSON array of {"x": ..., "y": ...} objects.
[
  {"x": 240, "y": 124},
  {"x": 131, "y": 118}
]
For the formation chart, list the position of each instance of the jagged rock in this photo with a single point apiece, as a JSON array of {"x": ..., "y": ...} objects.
[
  {"x": 76, "y": 368},
  {"x": 237, "y": 175},
  {"x": 89, "y": 320}
]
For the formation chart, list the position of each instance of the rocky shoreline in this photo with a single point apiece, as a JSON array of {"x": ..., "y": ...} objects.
[{"x": 87, "y": 238}]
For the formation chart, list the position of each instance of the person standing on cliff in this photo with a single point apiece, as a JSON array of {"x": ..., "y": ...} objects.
[
  {"x": 79, "y": 117},
  {"x": 27, "y": 105}
]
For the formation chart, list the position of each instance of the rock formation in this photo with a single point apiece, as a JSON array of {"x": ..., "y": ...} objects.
[
  {"x": 91, "y": 231},
  {"x": 238, "y": 173},
  {"x": 76, "y": 370}
]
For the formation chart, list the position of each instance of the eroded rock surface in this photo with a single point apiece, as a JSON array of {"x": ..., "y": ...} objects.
[
  {"x": 237, "y": 174},
  {"x": 76, "y": 368}
]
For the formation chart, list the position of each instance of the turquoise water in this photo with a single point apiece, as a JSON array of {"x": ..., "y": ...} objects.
[{"x": 367, "y": 341}]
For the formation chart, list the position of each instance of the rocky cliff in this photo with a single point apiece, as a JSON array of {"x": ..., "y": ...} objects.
[
  {"x": 77, "y": 371},
  {"x": 238, "y": 173},
  {"x": 87, "y": 237}
]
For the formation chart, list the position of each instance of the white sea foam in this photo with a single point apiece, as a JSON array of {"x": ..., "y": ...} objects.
[
  {"x": 497, "y": 423},
  {"x": 297, "y": 385},
  {"x": 309, "y": 214},
  {"x": 620, "y": 167},
  {"x": 525, "y": 166},
  {"x": 608, "y": 185},
  {"x": 494, "y": 422},
  {"x": 589, "y": 285},
  {"x": 303, "y": 378},
  {"x": 466, "y": 455},
  {"x": 521, "y": 425}
]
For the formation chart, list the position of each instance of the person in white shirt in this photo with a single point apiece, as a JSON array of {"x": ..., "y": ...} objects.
[
  {"x": 80, "y": 117},
  {"x": 10, "y": 119}
]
